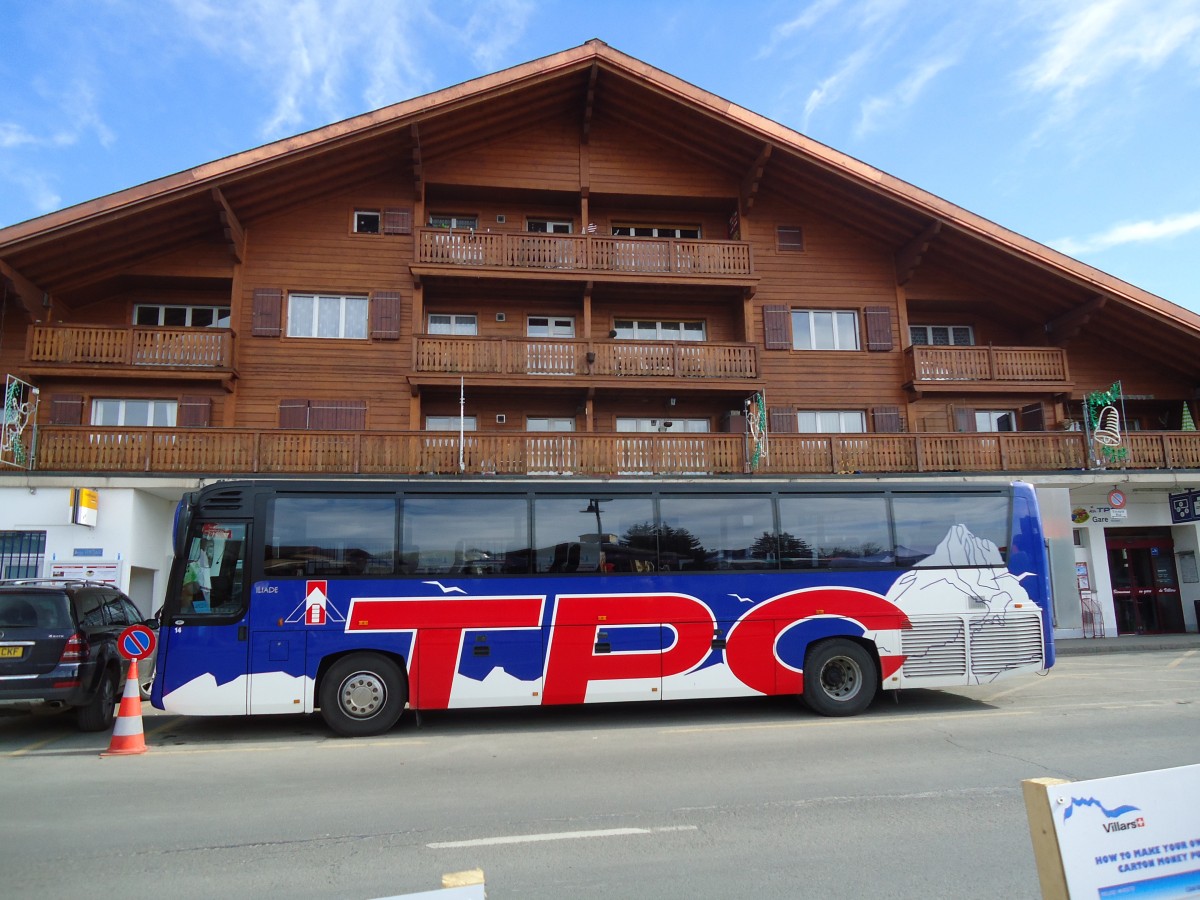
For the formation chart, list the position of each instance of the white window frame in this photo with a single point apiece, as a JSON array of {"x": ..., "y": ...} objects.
[
  {"x": 556, "y": 326},
  {"x": 813, "y": 317},
  {"x": 987, "y": 421},
  {"x": 539, "y": 225},
  {"x": 220, "y": 314},
  {"x": 632, "y": 425},
  {"x": 449, "y": 423},
  {"x": 927, "y": 340},
  {"x": 454, "y": 222},
  {"x": 831, "y": 421},
  {"x": 103, "y": 407},
  {"x": 378, "y": 218},
  {"x": 636, "y": 330},
  {"x": 630, "y": 229},
  {"x": 352, "y": 319},
  {"x": 559, "y": 424},
  {"x": 462, "y": 324}
]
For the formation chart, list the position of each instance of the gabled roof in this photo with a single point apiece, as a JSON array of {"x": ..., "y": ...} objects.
[{"x": 593, "y": 84}]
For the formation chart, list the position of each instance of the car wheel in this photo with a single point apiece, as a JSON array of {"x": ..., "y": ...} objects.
[
  {"x": 840, "y": 678},
  {"x": 363, "y": 694},
  {"x": 100, "y": 711}
]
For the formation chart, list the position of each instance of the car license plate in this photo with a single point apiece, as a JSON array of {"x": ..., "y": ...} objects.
[{"x": 11, "y": 652}]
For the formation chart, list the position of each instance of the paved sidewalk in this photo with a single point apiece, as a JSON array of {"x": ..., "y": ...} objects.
[{"x": 1127, "y": 642}]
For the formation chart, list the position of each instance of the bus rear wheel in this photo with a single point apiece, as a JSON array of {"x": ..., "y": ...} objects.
[
  {"x": 363, "y": 694},
  {"x": 840, "y": 678}
]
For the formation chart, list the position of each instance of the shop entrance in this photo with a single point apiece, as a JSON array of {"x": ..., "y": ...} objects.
[{"x": 1145, "y": 586}]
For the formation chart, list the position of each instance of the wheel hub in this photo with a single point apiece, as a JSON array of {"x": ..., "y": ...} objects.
[
  {"x": 840, "y": 677},
  {"x": 362, "y": 694}
]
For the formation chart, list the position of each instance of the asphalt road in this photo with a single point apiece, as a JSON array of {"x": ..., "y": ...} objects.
[{"x": 918, "y": 798}]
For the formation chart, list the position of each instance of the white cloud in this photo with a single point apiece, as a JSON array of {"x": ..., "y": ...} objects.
[
  {"x": 1092, "y": 53},
  {"x": 328, "y": 59},
  {"x": 875, "y": 110},
  {"x": 1144, "y": 232},
  {"x": 780, "y": 34}
]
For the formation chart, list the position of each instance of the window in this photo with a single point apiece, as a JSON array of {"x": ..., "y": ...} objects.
[
  {"x": 453, "y": 323},
  {"x": 367, "y": 221},
  {"x": 547, "y": 326},
  {"x": 175, "y": 316},
  {"x": 831, "y": 421},
  {"x": 941, "y": 335},
  {"x": 449, "y": 423},
  {"x": 645, "y": 330},
  {"x": 327, "y": 316},
  {"x": 134, "y": 413},
  {"x": 595, "y": 534},
  {"x": 22, "y": 553},
  {"x": 824, "y": 329},
  {"x": 447, "y": 535},
  {"x": 549, "y": 423},
  {"x": 212, "y": 580},
  {"x": 820, "y": 532},
  {"x": 690, "y": 426},
  {"x": 321, "y": 536},
  {"x": 457, "y": 222},
  {"x": 995, "y": 420},
  {"x": 789, "y": 238},
  {"x": 923, "y": 522},
  {"x": 548, "y": 226},
  {"x": 660, "y": 231},
  {"x": 705, "y": 533}
]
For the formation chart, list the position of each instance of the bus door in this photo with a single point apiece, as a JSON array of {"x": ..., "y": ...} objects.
[{"x": 203, "y": 660}]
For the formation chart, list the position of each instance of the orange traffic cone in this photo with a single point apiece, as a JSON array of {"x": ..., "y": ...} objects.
[{"x": 127, "y": 737}]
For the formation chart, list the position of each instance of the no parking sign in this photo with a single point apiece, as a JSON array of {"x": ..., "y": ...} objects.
[{"x": 136, "y": 642}]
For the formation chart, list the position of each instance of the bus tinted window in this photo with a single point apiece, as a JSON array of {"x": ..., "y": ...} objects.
[
  {"x": 819, "y": 531},
  {"x": 322, "y": 536},
  {"x": 566, "y": 530},
  {"x": 212, "y": 577},
  {"x": 466, "y": 535},
  {"x": 926, "y": 521},
  {"x": 700, "y": 532}
]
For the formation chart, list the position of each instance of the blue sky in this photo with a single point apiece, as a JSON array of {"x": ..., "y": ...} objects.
[{"x": 1074, "y": 122}]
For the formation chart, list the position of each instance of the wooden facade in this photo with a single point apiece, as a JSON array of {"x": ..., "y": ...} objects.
[{"x": 599, "y": 267}]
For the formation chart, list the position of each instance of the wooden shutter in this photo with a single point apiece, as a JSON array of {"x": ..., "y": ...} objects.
[
  {"x": 385, "y": 315},
  {"x": 337, "y": 415},
  {"x": 964, "y": 419},
  {"x": 268, "y": 312},
  {"x": 775, "y": 328},
  {"x": 66, "y": 409},
  {"x": 879, "y": 328},
  {"x": 1032, "y": 418},
  {"x": 397, "y": 220},
  {"x": 293, "y": 414},
  {"x": 194, "y": 412},
  {"x": 782, "y": 420},
  {"x": 886, "y": 420}
]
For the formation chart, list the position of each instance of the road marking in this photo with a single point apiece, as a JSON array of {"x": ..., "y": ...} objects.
[
  {"x": 36, "y": 745},
  {"x": 555, "y": 836},
  {"x": 1179, "y": 659}
]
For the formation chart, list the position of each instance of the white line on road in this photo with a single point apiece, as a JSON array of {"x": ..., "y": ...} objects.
[{"x": 555, "y": 836}]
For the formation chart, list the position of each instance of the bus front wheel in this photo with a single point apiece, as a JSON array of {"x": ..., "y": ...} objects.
[
  {"x": 363, "y": 694},
  {"x": 840, "y": 678}
]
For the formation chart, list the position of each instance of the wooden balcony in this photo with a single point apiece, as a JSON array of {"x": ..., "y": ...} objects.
[
  {"x": 987, "y": 368},
  {"x": 701, "y": 360},
  {"x": 584, "y": 253},
  {"x": 223, "y": 451},
  {"x": 128, "y": 351}
]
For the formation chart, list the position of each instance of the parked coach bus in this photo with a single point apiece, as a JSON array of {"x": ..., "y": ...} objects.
[{"x": 362, "y": 598}]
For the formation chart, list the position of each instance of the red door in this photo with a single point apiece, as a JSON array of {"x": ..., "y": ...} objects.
[{"x": 1145, "y": 586}]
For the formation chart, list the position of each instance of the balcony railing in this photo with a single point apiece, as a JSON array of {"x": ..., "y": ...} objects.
[
  {"x": 548, "y": 356},
  {"x": 584, "y": 252},
  {"x": 222, "y": 451},
  {"x": 210, "y": 348},
  {"x": 928, "y": 364}
]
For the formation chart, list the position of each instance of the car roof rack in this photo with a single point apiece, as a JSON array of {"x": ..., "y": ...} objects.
[{"x": 54, "y": 581}]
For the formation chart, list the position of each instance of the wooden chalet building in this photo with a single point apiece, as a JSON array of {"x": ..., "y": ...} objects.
[{"x": 595, "y": 269}]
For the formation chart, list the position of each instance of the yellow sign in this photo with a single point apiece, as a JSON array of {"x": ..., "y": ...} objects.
[{"x": 85, "y": 506}]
